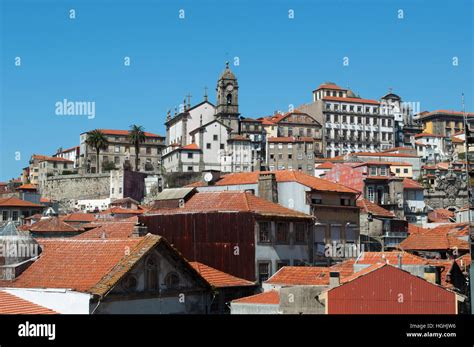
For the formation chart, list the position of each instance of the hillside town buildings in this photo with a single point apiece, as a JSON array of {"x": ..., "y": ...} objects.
[{"x": 332, "y": 203}]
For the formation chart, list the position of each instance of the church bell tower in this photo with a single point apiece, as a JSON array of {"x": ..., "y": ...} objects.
[{"x": 227, "y": 108}]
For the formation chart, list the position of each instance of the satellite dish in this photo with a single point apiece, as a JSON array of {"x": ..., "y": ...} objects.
[{"x": 208, "y": 177}]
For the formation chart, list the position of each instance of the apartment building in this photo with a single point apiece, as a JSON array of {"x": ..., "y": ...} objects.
[
  {"x": 443, "y": 122},
  {"x": 295, "y": 124},
  {"x": 120, "y": 153},
  {"x": 291, "y": 153},
  {"x": 352, "y": 124},
  {"x": 43, "y": 166},
  {"x": 253, "y": 129}
]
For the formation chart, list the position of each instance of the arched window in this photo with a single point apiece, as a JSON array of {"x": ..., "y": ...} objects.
[
  {"x": 229, "y": 99},
  {"x": 151, "y": 273},
  {"x": 172, "y": 280}
]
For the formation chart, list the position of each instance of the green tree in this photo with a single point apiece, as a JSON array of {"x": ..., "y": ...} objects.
[
  {"x": 97, "y": 140},
  {"x": 136, "y": 136}
]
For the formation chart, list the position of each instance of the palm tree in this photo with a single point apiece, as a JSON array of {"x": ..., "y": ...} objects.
[
  {"x": 97, "y": 140},
  {"x": 136, "y": 135}
]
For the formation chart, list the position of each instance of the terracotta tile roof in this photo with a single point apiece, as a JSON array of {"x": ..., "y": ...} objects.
[
  {"x": 266, "y": 298},
  {"x": 28, "y": 186},
  {"x": 330, "y": 86},
  {"x": 433, "y": 241},
  {"x": 312, "y": 182},
  {"x": 408, "y": 183},
  {"x": 79, "y": 217},
  {"x": 15, "y": 202},
  {"x": 219, "y": 279},
  {"x": 41, "y": 157},
  {"x": 92, "y": 266},
  {"x": 390, "y": 258},
  {"x": 291, "y": 139},
  {"x": 351, "y": 100},
  {"x": 440, "y": 215},
  {"x": 301, "y": 275},
  {"x": 112, "y": 230},
  {"x": 456, "y": 140},
  {"x": 398, "y": 149},
  {"x": 120, "y": 210},
  {"x": 45, "y": 200},
  {"x": 12, "y": 304},
  {"x": 52, "y": 224},
  {"x": 446, "y": 112},
  {"x": 345, "y": 268},
  {"x": 375, "y": 209},
  {"x": 417, "y": 136},
  {"x": 124, "y": 133},
  {"x": 192, "y": 146},
  {"x": 325, "y": 165},
  {"x": 383, "y": 154},
  {"x": 234, "y": 201},
  {"x": 415, "y": 229}
]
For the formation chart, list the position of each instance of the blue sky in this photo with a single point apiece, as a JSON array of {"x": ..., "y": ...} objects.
[{"x": 281, "y": 60}]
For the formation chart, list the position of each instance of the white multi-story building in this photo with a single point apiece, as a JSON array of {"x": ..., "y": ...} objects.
[
  {"x": 352, "y": 124},
  {"x": 431, "y": 148}
]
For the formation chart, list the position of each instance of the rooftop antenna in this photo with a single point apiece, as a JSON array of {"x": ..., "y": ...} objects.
[{"x": 205, "y": 93}]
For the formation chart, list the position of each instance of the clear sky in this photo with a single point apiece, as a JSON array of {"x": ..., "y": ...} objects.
[{"x": 281, "y": 60}]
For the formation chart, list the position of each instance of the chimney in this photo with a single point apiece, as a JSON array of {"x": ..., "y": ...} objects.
[
  {"x": 139, "y": 230},
  {"x": 268, "y": 187},
  {"x": 431, "y": 274},
  {"x": 334, "y": 280}
]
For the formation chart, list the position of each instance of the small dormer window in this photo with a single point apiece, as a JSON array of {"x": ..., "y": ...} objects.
[{"x": 373, "y": 171}]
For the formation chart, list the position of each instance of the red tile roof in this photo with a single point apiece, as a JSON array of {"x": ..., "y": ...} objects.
[
  {"x": 325, "y": 165},
  {"x": 433, "y": 241},
  {"x": 383, "y": 154},
  {"x": 15, "y": 202},
  {"x": 192, "y": 146},
  {"x": 411, "y": 184},
  {"x": 120, "y": 210},
  {"x": 290, "y": 139},
  {"x": 312, "y": 182},
  {"x": 351, "y": 100},
  {"x": 447, "y": 112},
  {"x": 301, "y": 275},
  {"x": 93, "y": 266},
  {"x": 109, "y": 230},
  {"x": 27, "y": 186},
  {"x": 390, "y": 258},
  {"x": 52, "y": 224},
  {"x": 234, "y": 201},
  {"x": 219, "y": 279},
  {"x": 41, "y": 157},
  {"x": 330, "y": 86},
  {"x": 12, "y": 304},
  {"x": 267, "y": 298},
  {"x": 79, "y": 217},
  {"x": 124, "y": 133},
  {"x": 368, "y": 206}
]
